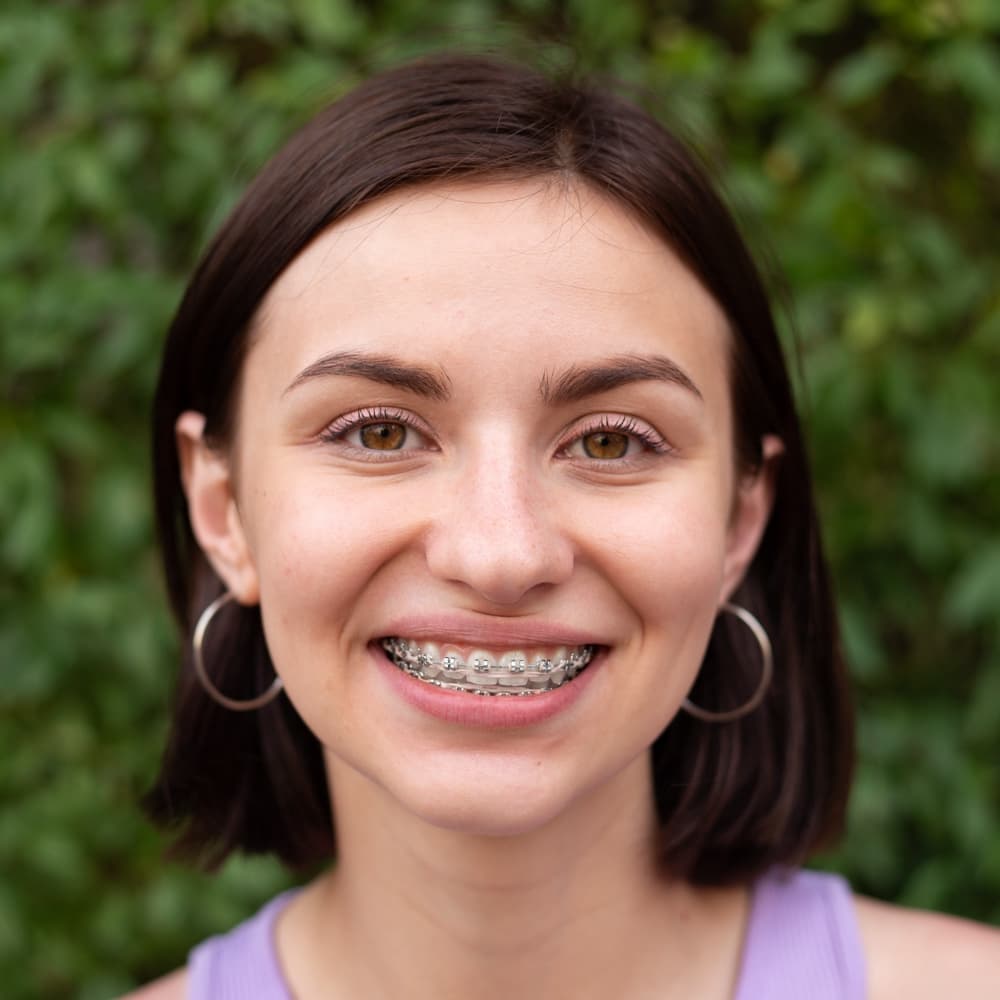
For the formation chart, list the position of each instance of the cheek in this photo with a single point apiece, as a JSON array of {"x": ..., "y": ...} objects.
[
  {"x": 670, "y": 570},
  {"x": 670, "y": 548},
  {"x": 317, "y": 550},
  {"x": 678, "y": 609}
]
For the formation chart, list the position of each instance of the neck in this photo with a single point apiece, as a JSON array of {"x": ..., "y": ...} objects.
[{"x": 575, "y": 907}]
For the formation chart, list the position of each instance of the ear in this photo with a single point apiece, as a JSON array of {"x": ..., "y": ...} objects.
[
  {"x": 215, "y": 518},
  {"x": 751, "y": 511}
]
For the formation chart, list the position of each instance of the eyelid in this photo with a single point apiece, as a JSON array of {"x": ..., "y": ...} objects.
[
  {"x": 647, "y": 436},
  {"x": 337, "y": 430}
]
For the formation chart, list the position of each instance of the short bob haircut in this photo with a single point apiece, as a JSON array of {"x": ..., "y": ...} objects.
[{"x": 733, "y": 799}]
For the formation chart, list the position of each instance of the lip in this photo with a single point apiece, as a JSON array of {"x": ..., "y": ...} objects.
[
  {"x": 484, "y": 712},
  {"x": 490, "y": 633}
]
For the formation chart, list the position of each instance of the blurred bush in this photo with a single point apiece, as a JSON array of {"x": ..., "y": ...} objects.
[{"x": 860, "y": 145}]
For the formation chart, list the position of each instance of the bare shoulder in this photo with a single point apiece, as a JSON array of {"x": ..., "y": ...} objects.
[
  {"x": 170, "y": 987},
  {"x": 918, "y": 955}
]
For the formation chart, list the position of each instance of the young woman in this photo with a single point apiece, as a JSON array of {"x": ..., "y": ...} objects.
[{"x": 487, "y": 520}]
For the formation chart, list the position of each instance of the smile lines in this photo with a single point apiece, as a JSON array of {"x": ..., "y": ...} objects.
[{"x": 511, "y": 674}]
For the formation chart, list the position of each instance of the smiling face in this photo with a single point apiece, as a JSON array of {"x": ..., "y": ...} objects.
[{"x": 491, "y": 424}]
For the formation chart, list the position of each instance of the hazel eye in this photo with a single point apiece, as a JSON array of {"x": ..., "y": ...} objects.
[
  {"x": 605, "y": 445},
  {"x": 615, "y": 443},
  {"x": 376, "y": 433},
  {"x": 383, "y": 436}
]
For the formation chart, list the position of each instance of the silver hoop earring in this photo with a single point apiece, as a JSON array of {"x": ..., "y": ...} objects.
[
  {"x": 211, "y": 690},
  {"x": 766, "y": 672}
]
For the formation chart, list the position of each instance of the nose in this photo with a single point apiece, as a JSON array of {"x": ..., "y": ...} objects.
[{"x": 497, "y": 532}]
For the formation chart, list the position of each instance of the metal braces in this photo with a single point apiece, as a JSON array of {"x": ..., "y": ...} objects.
[
  {"x": 410, "y": 654},
  {"x": 483, "y": 677}
]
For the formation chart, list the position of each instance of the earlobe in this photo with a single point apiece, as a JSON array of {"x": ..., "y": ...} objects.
[
  {"x": 751, "y": 512},
  {"x": 215, "y": 517}
]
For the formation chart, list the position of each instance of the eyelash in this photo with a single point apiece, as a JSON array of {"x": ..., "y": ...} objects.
[
  {"x": 628, "y": 426},
  {"x": 337, "y": 431}
]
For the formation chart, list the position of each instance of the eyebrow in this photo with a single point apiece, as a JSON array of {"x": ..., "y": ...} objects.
[
  {"x": 579, "y": 381},
  {"x": 377, "y": 368},
  {"x": 576, "y": 383}
]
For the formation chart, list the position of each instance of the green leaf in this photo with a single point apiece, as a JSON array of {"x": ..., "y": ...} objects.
[
  {"x": 863, "y": 75},
  {"x": 974, "y": 594}
]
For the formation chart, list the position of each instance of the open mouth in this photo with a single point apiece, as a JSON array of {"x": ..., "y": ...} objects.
[{"x": 488, "y": 672}]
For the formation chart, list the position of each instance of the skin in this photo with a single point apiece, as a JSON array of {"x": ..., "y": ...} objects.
[{"x": 528, "y": 849}]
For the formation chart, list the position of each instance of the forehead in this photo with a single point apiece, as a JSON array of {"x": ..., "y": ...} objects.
[
  {"x": 537, "y": 218},
  {"x": 534, "y": 270}
]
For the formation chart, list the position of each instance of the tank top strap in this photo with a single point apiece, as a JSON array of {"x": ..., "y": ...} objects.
[
  {"x": 242, "y": 964},
  {"x": 803, "y": 941}
]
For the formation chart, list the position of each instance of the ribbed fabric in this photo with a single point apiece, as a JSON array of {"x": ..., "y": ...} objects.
[
  {"x": 802, "y": 943},
  {"x": 243, "y": 964}
]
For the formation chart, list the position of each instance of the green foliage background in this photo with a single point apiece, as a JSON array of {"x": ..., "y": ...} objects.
[{"x": 861, "y": 147}]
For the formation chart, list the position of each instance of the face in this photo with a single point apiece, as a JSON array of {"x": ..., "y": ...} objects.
[{"x": 492, "y": 422}]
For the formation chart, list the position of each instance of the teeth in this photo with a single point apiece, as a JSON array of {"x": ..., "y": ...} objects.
[
  {"x": 480, "y": 661},
  {"x": 515, "y": 661},
  {"x": 512, "y": 682},
  {"x": 488, "y": 672},
  {"x": 481, "y": 680}
]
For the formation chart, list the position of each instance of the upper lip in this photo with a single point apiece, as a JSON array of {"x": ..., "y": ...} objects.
[{"x": 506, "y": 633}]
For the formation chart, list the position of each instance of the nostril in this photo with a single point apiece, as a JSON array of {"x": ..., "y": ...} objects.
[{"x": 502, "y": 563}]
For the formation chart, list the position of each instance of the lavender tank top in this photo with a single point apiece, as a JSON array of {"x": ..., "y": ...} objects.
[{"x": 802, "y": 943}]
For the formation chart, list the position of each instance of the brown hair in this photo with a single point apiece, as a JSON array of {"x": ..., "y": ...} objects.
[{"x": 734, "y": 798}]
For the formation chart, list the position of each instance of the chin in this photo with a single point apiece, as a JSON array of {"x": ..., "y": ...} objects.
[
  {"x": 488, "y": 819},
  {"x": 503, "y": 801}
]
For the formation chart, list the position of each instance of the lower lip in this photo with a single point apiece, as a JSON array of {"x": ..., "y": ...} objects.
[{"x": 486, "y": 711}]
